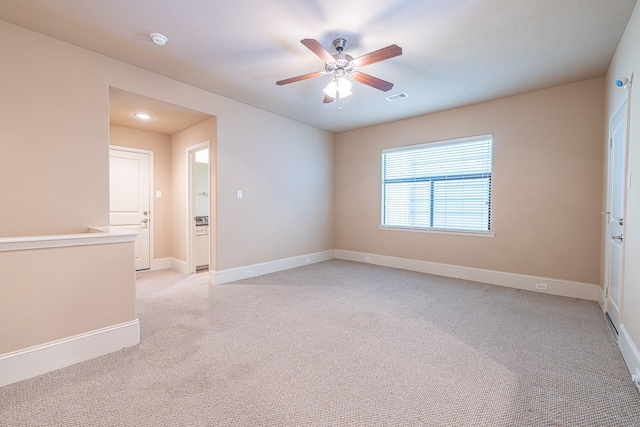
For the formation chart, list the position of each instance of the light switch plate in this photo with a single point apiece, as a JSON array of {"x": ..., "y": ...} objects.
[
  {"x": 239, "y": 194},
  {"x": 158, "y": 194}
]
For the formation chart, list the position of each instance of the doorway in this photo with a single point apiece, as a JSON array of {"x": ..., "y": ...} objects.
[
  {"x": 199, "y": 205},
  {"x": 616, "y": 186},
  {"x": 170, "y": 130}
]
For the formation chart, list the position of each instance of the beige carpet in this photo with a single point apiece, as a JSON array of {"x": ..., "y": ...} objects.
[{"x": 342, "y": 344}]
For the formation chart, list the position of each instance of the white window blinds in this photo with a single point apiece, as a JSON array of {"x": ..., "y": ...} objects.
[{"x": 443, "y": 185}]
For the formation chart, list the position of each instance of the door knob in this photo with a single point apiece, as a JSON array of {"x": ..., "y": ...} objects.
[
  {"x": 145, "y": 221},
  {"x": 617, "y": 237},
  {"x": 145, "y": 213},
  {"x": 621, "y": 221}
]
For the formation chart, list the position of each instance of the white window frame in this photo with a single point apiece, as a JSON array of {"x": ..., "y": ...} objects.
[{"x": 478, "y": 233}]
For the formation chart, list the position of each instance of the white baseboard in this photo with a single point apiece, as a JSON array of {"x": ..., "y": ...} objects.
[
  {"x": 33, "y": 361},
  {"x": 160, "y": 264},
  {"x": 180, "y": 266},
  {"x": 629, "y": 350},
  {"x": 233, "y": 274},
  {"x": 561, "y": 287}
]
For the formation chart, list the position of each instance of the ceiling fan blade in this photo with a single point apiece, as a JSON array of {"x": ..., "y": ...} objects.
[
  {"x": 327, "y": 99},
  {"x": 315, "y": 47},
  {"x": 298, "y": 78},
  {"x": 373, "y": 81},
  {"x": 378, "y": 55}
]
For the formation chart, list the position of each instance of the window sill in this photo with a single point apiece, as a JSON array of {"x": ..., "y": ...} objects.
[{"x": 428, "y": 231}]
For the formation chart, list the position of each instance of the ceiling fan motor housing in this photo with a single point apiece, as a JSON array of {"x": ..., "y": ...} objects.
[{"x": 343, "y": 61}]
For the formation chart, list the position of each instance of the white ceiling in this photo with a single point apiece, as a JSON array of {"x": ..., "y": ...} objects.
[{"x": 455, "y": 52}]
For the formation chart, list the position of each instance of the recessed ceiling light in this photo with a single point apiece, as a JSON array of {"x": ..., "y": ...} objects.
[
  {"x": 143, "y": 116},
  {"x": 159, "y": 39}
]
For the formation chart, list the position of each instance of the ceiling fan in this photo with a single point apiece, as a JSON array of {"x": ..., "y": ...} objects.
[{"x": 344, "y": 68}]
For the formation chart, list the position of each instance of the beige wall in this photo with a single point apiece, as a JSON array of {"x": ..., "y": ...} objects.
[
  {"x": 547, "y": 171},
  {"x": 626, "y": 62},
  {"x": 54, "y": 142},
  {"x": 286, "y": 168},
  {"x": 53, "y": 137},
  {"x": 202, "y": 132},
  {"x": 285, "y": 171},
  {"x": 50, "y": 294},
  {"x": 160, "y": 145}
]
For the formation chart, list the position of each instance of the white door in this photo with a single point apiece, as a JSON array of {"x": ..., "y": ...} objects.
[
  {"x": 615, "y": 207},
  {"x": 129, "y": 199}
]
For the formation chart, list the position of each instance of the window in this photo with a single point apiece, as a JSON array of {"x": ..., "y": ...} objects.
[{"x": 438, "y": 186}]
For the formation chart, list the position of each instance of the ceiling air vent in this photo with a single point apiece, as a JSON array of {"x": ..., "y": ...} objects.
[{"x": 396, "y": 97}]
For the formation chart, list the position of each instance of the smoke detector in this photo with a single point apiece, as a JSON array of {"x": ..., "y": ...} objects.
[{"x": 159, "y": 39}]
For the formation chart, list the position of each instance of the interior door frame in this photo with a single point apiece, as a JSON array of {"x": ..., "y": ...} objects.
[
  {"x": 191, "y": 203},
  {"x": 609, "y": 188},
  {"x": 151, "y": 198}
]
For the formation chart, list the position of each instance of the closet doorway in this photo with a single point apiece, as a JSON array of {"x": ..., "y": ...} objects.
[{"x": 198, "y": 227}]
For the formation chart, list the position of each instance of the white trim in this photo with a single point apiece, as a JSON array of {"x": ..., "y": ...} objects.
[
  {"x": 437, "y": 231},
  {"x": 33, "y": 361},
  {"x": 561, "y": 287},
  {"x": 179, "y": 265},
  {"x": 629, "y": 350},
  {"x": 131, "y": 149},
  {"x": 93, "y": 236},
  {"x": 238, "y": 273},
  {"x": 160, "y": 264}
]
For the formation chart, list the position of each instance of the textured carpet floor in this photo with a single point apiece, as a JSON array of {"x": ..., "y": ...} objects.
[{"x": 342, "y": 344}]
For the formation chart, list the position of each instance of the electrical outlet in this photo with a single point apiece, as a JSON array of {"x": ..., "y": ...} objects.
[
  {"x": 308, "y": 260},
  {"x": 541, "y": 286},
  {"x": 247, "y": 273},
  {"x": 367, "y": 259}
]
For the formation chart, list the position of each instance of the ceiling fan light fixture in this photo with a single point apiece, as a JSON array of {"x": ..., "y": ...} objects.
[
  {"x": 340, "y": 86},
  {"x": 344, "y": 68}
]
